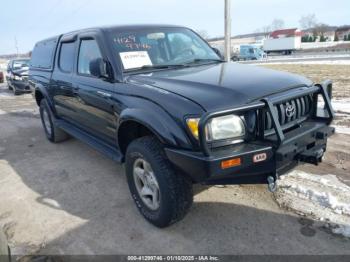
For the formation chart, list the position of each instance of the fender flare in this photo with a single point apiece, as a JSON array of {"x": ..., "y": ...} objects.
[
  {"x": 164, "y": 127},
  {"x": 40, "y": 88}
]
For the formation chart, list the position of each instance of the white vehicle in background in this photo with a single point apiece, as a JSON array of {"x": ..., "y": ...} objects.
[
  {"x": 283, "y": 41},
  {"x": 248, "y": 52}
]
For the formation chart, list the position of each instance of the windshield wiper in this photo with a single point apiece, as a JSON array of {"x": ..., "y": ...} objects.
[
  {"x": 197, "y": 60},
  {"x": 158, "y": 67},
  {"x": 171, "y": 66}
]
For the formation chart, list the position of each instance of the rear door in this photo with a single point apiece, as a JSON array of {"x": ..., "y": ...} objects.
[{"x": 93, "y": 95}]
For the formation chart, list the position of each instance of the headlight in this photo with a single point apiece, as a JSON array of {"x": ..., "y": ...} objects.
[
  {"x": 16, "y": 77},
  {"x": 223, "y": 127}
]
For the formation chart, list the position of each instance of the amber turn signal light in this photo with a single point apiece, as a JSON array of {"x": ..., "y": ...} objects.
[{"x": 230, "y": 163}]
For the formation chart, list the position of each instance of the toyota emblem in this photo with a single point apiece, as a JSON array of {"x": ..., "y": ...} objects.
[{"x": 290, "y": 110}]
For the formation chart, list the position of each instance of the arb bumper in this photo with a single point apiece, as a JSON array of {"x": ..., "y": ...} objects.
[{"x": 269, "y": 155}]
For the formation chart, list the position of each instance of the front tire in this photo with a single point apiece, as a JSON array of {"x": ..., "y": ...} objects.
[
  {"x": 52, "y": 131},
  {"x": 162, "y": 195}
]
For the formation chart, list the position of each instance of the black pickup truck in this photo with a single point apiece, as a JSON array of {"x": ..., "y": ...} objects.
[{"x": 160, "y": 100}]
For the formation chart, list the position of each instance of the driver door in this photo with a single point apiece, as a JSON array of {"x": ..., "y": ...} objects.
[{"x": 93, "y": 95}]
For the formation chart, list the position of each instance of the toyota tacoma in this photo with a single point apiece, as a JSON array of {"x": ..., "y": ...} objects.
[{"x": 160, "y": 100}]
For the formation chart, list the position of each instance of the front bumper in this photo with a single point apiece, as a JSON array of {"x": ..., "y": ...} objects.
[
  {"x": 20, "y": 85},
  {"x": 282, "y": 150},
  {"x": 304, "y": 147}
]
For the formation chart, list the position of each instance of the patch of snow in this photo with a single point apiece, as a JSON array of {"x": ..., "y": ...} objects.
[
  {"x": 308, "y": 56},
  {"x": 341, "y": 105},
  {"x": 51, "y": 202},
  {"x": 33, "y": 111},
  {"x": 342, "y": 129},
  {"x": 6, "y": 95},
  {"x": 305, "y": 62},
  {"x": 2, "y": 112},
  {"x": 323, "y": 197},
  {"x": 342, "y": 230},
  {"x": 330, "y": 62}
]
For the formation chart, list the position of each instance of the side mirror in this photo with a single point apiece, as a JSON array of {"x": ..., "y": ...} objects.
[
  {"x": 217, "y": 51},
  {"x": 98, "y": 68}
]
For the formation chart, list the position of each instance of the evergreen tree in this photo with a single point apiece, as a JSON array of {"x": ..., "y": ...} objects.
[{"x": 305, "y": 38}]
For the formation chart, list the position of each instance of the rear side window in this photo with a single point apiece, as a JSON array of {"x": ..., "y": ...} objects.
[
  {"x": 42, "y": 56},
  {"x": 88, "y": 52},
  {"x": 66, "y": 59}
]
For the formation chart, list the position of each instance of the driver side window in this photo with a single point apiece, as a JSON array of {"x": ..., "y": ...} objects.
[
  {"x": 179, "y": 42},
  {"x": 182, "y": 45},
  {"x": 88, "y": 52}
]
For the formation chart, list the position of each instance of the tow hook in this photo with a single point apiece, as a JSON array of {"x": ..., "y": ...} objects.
[{"x": 272, "y": 183}]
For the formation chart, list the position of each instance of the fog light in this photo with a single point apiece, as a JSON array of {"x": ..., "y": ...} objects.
[{"x": 230, "y": 163}]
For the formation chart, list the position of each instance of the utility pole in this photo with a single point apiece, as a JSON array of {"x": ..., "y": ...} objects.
[
  {"x": 16, "y": 45},
  {"x": 227, "y": 30}
]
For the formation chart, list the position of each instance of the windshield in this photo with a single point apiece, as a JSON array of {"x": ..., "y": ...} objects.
[
  {"x": 139, "y": 49},
  {"x": 18, "y": 64}
]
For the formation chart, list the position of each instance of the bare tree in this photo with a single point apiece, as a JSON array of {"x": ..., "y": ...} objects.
[
  {"x": 277, "y": 24},
  {"x": 320, "y": 29},
  {"x": 203, "y": 33},
  {"x": 308, "y": 21},
  {"x": 266, "y": 30}
]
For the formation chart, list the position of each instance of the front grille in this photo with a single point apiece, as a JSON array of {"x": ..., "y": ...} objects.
[{"x": 302, "y": 107}]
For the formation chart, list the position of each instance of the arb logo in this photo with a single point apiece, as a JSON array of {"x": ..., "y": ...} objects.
[{"x": 259, "y": 157}]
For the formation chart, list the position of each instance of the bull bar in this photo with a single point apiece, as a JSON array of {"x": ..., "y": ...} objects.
[{"x": 324, "y": 89}]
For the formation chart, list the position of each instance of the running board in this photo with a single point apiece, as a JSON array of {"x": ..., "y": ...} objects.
[{"x": 94, "y": 142}]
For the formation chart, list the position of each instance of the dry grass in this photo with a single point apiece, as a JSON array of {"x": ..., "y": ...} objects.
[{"x": 339, "y": 74}]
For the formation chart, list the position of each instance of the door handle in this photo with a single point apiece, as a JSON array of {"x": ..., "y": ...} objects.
[{"x": 104, "y": 94}]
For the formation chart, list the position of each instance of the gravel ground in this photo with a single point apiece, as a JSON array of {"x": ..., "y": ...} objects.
[{"x": 69, "y": 199}]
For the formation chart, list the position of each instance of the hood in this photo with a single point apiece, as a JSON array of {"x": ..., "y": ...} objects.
[
  {"x": 223, "y": 85},
  {"x": 24, "y": 71}
]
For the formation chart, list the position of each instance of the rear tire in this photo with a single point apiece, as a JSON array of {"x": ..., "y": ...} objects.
[
  {"x": 174, "y": 194},
  {"x": 53, "y": 133}
]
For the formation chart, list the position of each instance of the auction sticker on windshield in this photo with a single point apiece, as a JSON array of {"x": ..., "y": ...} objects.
[{"x": 135, "y": 59}]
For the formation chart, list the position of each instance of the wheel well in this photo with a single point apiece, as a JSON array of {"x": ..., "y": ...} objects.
[
  {"x": 38, "y": 97},
  {"x": 129, "y": 131}
]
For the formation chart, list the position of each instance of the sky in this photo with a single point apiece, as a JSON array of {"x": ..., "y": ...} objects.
[{"x": 33, "y": 20}]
